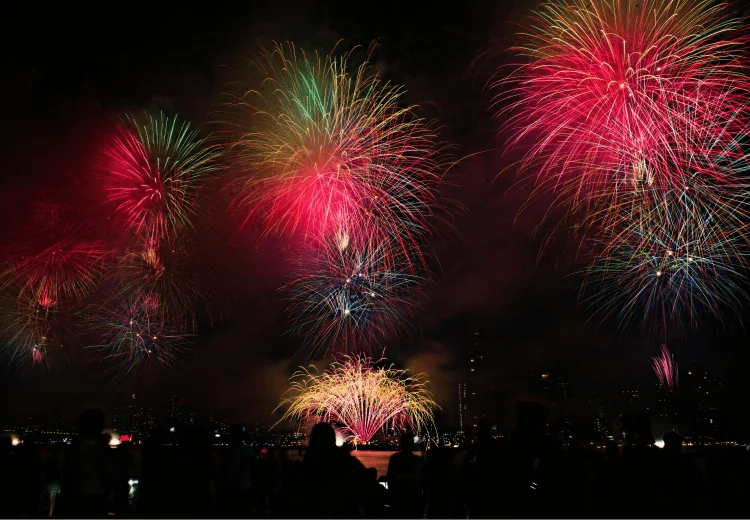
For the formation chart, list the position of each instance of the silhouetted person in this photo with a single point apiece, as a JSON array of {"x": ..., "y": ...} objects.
[
  {"x": 440, "y": 480},
  {"x": 405, "y": 480},
  {"x": 7, "y": 482},
  {"x": 612, "y": 452},
  {"x": 196, "y": 487},
  {"x": 52, "y": 477},
  {"x": 639, "y": 487},
  {"x": 332, "y": 480},
  {"x": 26, "y": 471},
  {"x": 159, "y": 482},
  {"x": 265, "y": 481},
  {"x": 483, "y": 478},
  {"x": 681, "y": 481},
  {"x": 375, "y": 495},
  {"x": 237, "y": 461},
  {"x": 86, "y": 478},
  {"x": 123, "y": 468}
]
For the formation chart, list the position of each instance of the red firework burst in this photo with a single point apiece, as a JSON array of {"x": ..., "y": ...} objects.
[
  {"x": 612, "y": 88},
  {"x": 328, "y": 152},
  {"x": 58, "y": 264},
  {"x": 151, "y": 171}
]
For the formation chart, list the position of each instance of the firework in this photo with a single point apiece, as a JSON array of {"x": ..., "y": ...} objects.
[
  {"x": 361, "y": 399},
  {"x": 332, "y": 153},
  {"x": 612, "y": 88},
  {"x": 151, "y": 172},
  {"x": 661, "y": 262},
  {"x": 157, "y": 269},
  {"x": 58, "y": 264},
  {"x": 30, "y": 336},
  {"x": 665, "y": 368},
  {"x": 347, "y": 297},
  {"x": 135, "y": 332},
  {"x": 55, "y": 270}
]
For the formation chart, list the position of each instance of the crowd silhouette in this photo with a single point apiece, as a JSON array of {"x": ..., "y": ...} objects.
[{"x": 528, "y": 474}]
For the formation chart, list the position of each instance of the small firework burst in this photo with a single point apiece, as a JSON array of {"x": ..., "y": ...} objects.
[
  {"x": 30, "y": 335},
  {"x": 135, "y": 333},
  {"x": 58, "y": 263},
  {"x": 352, "y": 298},
  {"x": 669, "y": 260},
  {"x": 361, "y": 398},
  {"x": 665, "y": 368},
  {"x": 157, "y": 269},
  {"x": 151, "y": 172}
]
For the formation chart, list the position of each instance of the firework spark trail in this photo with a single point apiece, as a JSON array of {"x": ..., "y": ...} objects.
[
  {"x": 609, "y": 84},
  {"x": 670, "y": 259},
  {"x": 58, "y": 265},
  {"x": 29, "y": 335},
  {"x": 44, "y": 282},
  {"x": 149, "y": 317},
  {"x": 361, "y": 399},
  {"x": 151, "y": 172},
  {"x": 637, "y": 114},
  {"x": 155, "y": 268},
  {"x": 355, "y": 297},
  {"x": 134, "y": 333},
  {"x": 665, "y": 368},
  {"x": 326, "y": 152}
]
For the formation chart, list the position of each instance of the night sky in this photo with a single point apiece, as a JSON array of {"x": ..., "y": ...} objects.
[{"x": 69, "y": 72}]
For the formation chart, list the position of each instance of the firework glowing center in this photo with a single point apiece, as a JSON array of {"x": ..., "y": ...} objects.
[{"x": 361, "y": 399}]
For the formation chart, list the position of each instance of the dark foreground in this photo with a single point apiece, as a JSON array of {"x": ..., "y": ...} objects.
[{"x": 528, "y": 475}]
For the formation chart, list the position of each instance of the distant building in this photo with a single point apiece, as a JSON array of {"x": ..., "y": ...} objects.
[
  {"x": 462, "y": 406},
  {"x": 703, "y": 395},
  {"x": 553, "y": 391},
  {"x": 477, "y": 393}
]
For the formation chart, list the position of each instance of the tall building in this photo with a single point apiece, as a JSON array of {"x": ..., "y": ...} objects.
[
  {"x": 554, "y": 392},
  {"x": 181, "y": 411},
  {"x": 477, "y": 391},
  {"x": 602, "y": 421},
  {"x": 704, "y": 397},
  {"x": 130, "y": 418},
  {"x": 462, "y": 406}
]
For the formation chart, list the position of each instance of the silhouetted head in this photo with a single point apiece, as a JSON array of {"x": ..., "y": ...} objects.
[
  {"x": 195, "y": 438},
  {"x": 612, "y": 450},
  {"x": 636, "y": 426},
  {"x": 484, "y": 430},
  {"x": 372, "y": 475},
  {"x": 672, "y": 442},
  {"x": 236, "y": 432},
  {"x": 406, "y": 441},
  {"x": 322, "y": 436},
  {"x": 91, "y": 422},
  {"x": 531, "y": 417}
]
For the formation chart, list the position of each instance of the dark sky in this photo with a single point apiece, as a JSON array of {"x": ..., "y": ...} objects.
[{"x": 69, "y": 71}]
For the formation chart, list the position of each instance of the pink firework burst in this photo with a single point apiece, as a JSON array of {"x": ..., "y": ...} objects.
[
  {"x": 151, "y": 172},
  {"x": 665, "y": 368},
  {"x": 610, "y": 89},
  {"x": 326, "y": 150},
  {"x": 58, "y": 263}
]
